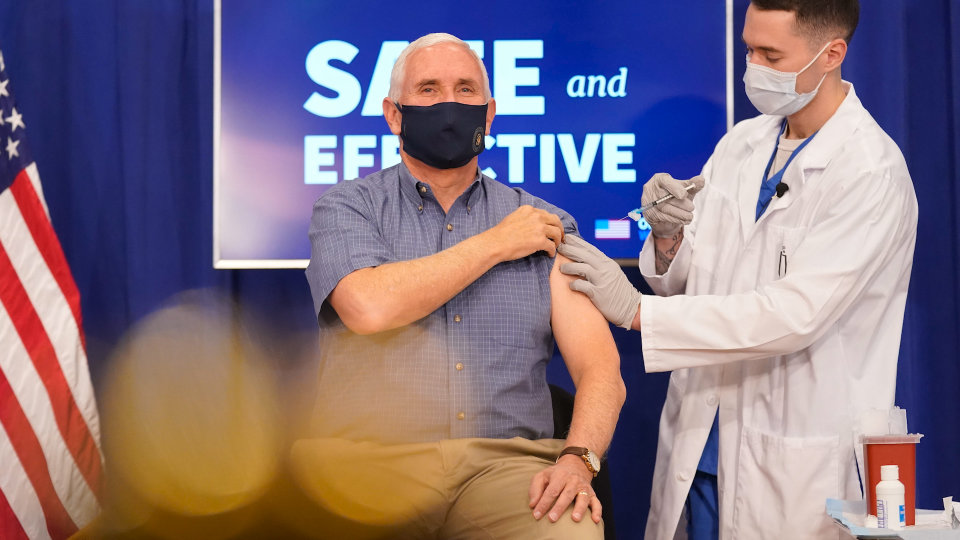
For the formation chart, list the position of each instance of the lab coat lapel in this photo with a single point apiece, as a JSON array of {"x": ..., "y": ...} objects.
[
  {"x": 760, "y": 145},
  {"x": 821, "y": 150}
]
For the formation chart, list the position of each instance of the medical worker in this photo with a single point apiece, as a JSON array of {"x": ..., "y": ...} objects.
[{"x": 780, "y": 294}]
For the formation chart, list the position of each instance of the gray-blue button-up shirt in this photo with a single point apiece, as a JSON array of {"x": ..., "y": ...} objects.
[{"x": 475, "y": 367}]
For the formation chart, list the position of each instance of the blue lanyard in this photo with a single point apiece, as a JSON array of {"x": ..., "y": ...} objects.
[{"x": 768, "y": 186}]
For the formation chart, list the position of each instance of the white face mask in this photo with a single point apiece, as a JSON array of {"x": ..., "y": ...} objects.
[{"x": 775, "y": 92}]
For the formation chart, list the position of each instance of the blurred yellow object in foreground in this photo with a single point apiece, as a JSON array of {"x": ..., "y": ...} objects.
[{"x": 191, "y": 419}]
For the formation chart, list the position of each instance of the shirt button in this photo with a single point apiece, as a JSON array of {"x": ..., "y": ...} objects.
[
  {"x": 712, "y": 400},
  {"x": 420, "y": 208},
  {"x": 468, "y": 209},
  {"x": 459, "y": 366},
  {"x": 683, "y": 476},
  {"x": 461, "y": 416},
  {"x": 449, "y": 226},
  {"x": 423, "y": 189},
  {"x": 457, "y": 318}
]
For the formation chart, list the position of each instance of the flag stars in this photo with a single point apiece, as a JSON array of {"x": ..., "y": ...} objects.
[
  {"x": 3, "y": 88},
  {"x": 15, "y": 119},
  {"x": 12, "y": 151},
  {"x": 2, "y": 67}
]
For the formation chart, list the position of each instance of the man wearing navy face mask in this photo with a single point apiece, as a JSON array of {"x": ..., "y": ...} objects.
[
  {"x": 438, "y": 305},
  {"x": 780, "y": 296}
]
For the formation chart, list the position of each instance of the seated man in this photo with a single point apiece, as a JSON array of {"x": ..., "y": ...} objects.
[{"x": 438, "y": 304}]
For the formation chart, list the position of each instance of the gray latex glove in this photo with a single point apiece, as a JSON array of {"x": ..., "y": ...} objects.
[
  {"x": 603, "y": 281},
  {"x": 666, "y": 218}
]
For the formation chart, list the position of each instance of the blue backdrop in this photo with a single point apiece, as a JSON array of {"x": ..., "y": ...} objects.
[
  {"x": 116, "y": 97},
  {"x": 301, "y": 85}
]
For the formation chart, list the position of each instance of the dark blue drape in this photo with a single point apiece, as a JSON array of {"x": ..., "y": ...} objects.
[{"x": 117, "y": 99}]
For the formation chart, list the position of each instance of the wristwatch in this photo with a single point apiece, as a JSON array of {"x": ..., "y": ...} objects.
[{"x": 589, "y": 458}]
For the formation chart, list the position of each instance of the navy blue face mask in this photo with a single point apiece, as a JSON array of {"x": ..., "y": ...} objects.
[{"x": 443, "y": 135}]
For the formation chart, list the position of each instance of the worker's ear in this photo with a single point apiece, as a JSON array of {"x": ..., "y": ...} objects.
[{"x": 836, "y": 51}]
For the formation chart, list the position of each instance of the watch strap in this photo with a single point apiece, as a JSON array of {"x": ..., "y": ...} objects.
[{"x": 584, "y": 454}]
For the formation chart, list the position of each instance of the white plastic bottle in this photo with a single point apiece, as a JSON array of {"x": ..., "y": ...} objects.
[{"x": 890, "y": 503}]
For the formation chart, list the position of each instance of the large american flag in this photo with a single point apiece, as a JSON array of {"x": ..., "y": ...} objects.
[{"x": 50, "y": 462}]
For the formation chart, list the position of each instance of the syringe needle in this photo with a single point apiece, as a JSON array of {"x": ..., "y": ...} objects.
[{"x": 635, "y": 214}]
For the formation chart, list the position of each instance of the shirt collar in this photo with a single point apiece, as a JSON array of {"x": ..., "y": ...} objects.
[
  {"x": 835, "y": 133},
  {"x": 416, "y": 191}
]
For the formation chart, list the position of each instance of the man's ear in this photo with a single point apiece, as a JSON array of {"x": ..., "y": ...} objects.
[
  {"x": 491, "y": 112},
  {"x": 836, "y": 52},
  {"x": 393, "y": 116}
]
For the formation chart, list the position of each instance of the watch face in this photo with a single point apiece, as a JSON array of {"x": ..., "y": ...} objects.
[{"x": 594, "y": 462}]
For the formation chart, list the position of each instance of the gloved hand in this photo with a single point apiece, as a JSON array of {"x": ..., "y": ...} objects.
[
  {"x": 666, "y": 218},
  {"x": 603, "y": 281}
]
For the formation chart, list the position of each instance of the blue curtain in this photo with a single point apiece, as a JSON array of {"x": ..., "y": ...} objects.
[
  {"x": 117, "y": 99},
  {"x": 922, "y": 69}
]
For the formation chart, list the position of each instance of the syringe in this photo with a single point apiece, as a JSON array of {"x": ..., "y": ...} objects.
[{"x": 635, "y": 214}]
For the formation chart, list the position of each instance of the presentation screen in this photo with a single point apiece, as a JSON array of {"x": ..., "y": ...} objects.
[{"x": 592, "y": 99}]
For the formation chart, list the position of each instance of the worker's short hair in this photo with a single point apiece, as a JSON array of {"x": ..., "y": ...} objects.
[{"x": 819, "y": 20}]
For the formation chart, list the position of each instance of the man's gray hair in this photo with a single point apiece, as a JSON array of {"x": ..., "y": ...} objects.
[{"x": 429, "y": 40}]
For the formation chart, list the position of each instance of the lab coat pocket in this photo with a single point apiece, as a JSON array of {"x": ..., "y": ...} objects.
[
  {"x": 782, "y": 243},
  {"x": 783, "y": 484}
]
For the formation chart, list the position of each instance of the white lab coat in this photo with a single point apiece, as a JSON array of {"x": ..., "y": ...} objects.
[{"x": 790, "y": 324}]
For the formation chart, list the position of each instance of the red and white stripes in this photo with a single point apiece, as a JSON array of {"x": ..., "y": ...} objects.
[{"x": 50, "y": 461}]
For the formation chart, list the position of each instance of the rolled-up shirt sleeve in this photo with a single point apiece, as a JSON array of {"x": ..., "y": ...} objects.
[
  {"x": 343, "y": 238},
  {"x": 569, "y": 224}
]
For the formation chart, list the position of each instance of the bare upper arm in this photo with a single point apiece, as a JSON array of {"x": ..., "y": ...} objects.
[
  {"x": 349, "y": 300},
  {"x": 582, "y": 333}
]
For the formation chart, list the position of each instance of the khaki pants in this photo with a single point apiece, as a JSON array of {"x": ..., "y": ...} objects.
[{"x": 457, "y": 488}]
